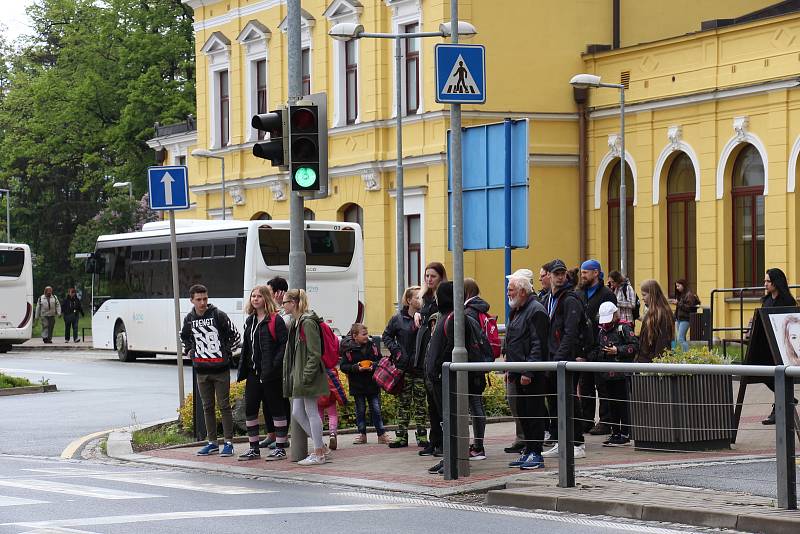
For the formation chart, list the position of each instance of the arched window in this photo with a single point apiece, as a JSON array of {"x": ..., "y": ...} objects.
[
  {"x": 681, "y": 226},
  {"x": 261, "y": 216},
  {"x": 308, "y": 215},
  {"x": 613, "y": 219},
  {"x": 748, "y": 217},
  {"x": 352, "y": 213}
]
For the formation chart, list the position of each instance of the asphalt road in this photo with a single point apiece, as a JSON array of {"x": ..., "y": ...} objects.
[
  {"x": 40, "y": 495},
  {"x": 95, "y": 392}
]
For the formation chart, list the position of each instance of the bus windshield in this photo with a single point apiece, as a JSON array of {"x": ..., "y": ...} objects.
[
  {"x": 11, "y": 263},
  {"x": 329, "y": 248}
]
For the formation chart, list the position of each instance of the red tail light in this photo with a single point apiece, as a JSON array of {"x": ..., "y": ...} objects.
[
  {"x": 28, "y": 313},
  {"x": 360, "y": 313}
]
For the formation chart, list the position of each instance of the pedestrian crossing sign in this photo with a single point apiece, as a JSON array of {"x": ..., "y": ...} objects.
[{"x": 460, "y": 74}]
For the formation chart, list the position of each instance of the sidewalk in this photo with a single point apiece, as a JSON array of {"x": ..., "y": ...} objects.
[
  {"x": 36, "y": 343},
  {"x": 377, "y": 467}
]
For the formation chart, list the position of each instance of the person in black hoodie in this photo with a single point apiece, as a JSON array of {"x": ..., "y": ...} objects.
[
  {"x": 475, "y": 307},
  {"x": 209, "y": 338},
  {"x": 261, "y": 364},
  {"x": 399, "y": 338},
  {"x": 778, "y": 294},
  {"x": 593, "y": 292},
  {"x": 72, "y": 311},
  {"x": 359, "y": 358}
]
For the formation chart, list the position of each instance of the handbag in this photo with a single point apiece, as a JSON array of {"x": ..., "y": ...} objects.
[{"x": 388, "y": 376}]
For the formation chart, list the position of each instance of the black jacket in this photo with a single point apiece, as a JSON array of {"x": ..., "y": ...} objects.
[
  {"x": 440, "y": 349},
  {"x": 603, "y": 294},
  {"x": 686, "y": 306},
  {"x": 262, "y": 354},
  {"x": 210, "y": 339},
  {"x": 361, "y": 382},
  {"x": 566, "y": 312},
  {"x": 400, "y": 338},
  {"x": 72, "y": 305},
  {"x": 428, "y": 313},
  {"x": 526, "y": 335},
  {"x": 475, "y": 306},
  {"x": 622, "y": 337}
]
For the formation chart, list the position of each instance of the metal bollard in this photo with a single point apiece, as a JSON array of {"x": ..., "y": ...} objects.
[
  {"x": 566, "y": 438},
  {"x": 784, "y": 439},
  {"x": 448, "y": 425}
]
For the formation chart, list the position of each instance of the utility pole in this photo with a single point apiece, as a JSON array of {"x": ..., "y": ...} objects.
[{"x": 297, "y": 251}]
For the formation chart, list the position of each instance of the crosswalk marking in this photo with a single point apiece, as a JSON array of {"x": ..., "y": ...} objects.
[
  {"x": 57, "y": 530},
  {"x": 74, "y": 489},
  {"x": 18, "y": 501},
  {"x": 163, "y": 482},
  {"x": 209, "y": 514}
]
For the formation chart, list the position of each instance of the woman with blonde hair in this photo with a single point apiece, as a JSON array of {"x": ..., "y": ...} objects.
[
  {"x": 261, "y": 364},
  {"x": 658, "y": 324},
  {"x": 304, "y": 376}
]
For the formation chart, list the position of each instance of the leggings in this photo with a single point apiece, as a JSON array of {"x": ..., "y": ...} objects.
[
  {"x": 270, "y": 394},
  {"x": 478, "y": 419},
  {"x": 333, "y": 417},
  {"x": 305, "y": 412}
]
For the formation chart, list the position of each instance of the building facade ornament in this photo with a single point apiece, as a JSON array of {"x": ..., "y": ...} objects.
[
  {"x": 740, "y": 125},
  {"x": 615, "y": 145},
  {"x": 278, "y": 189},
  {"x": 372, "y": 179},
  {"x": 675, "y": 136},
  {"x": 237, "y": 195}
]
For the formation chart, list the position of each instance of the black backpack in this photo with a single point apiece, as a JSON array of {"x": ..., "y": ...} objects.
[
  {"x": 637, "y": 306},
  {"x": 479, "y": 350},
  {"x": 586, "y": 329}
]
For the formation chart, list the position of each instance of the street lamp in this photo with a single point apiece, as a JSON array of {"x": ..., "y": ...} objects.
[
  {"x": 129, "y": 185},
  {"x": 345, "y": 31},
  {"x": 585, "y": 81},
  {"x": 202, "y": 153},
  {"x": 7, "y": 194}
]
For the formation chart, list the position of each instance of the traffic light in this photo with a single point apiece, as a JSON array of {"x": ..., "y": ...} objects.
[
  {"x": 304, "y": 147},
  {"x": 275, "y": 149}
]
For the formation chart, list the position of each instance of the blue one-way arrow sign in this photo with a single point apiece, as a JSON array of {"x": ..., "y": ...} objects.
[{"x": 169, "y": 187}]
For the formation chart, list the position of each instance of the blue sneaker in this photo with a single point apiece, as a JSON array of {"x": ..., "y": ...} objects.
[
  {"x": 210, "y": 448},
  {"x": 519, "y": 461},
  {"x": 227, "y": 449},
  {"x": 535, "y": 461}
]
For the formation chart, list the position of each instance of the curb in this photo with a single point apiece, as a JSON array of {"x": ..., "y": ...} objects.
[
  {"x": 25, "y": 390},
  {"x": 74, "y": 449},
  {"x": 52, "y": 347}
]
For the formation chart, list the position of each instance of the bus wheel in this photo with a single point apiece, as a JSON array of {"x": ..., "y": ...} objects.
[
  {"x": 121, "y": 342},
  {"x": 5, "y": 347}
]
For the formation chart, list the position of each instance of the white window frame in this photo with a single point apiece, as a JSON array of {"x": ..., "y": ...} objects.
[
  {"x": 413, "y": 204},
  {"x": 254, "y": 39},
  {"x": 218, "y": 57},
  {"x": 406, "y": 12},
  {"x": 337, "y": 12}
]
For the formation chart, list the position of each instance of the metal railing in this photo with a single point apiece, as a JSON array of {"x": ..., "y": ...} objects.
[{"x": 565, "y": 379}]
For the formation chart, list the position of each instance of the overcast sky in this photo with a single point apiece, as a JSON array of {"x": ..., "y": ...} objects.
[{"x": 12, "y": 16}]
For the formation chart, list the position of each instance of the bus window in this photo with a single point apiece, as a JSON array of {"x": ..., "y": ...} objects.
[
  {"x": 11, "y": 263},
  {"x": 323, "y": 247}
]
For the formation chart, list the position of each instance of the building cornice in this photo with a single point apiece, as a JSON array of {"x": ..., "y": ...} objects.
[{"x": 231, "y": 15}]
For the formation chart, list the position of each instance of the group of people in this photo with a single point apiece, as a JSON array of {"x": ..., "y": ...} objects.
[{"x": 48, "y": 307}]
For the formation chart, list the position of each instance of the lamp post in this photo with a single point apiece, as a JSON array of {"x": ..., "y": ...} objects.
[
  {"x": 119, "y": 185},
  {"x": 7, "y": 194},
  {"x": 202, "y": 153},
  {"x": 591, "y": 80},
  {"x": 345, "y": 31}
]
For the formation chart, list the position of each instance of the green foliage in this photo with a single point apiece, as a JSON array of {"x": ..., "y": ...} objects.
[
  {"x": 85, "y": 321},
  {"x": 695, "y": 355},
  {"x": 80, "y": 96},
  {"x": 7, "y": 381},
  {"x": 160, "y": 436}
]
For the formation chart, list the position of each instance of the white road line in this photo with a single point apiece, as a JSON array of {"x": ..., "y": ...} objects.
[
  {"x": 188, "y": 485},
  {"x": 74, "y": 489},
  {"x": 509, "y": 512},
  {"x": 18, "y": 501},
  {"x": 32, "y": 371},
  {"x": 208, "y": 514},
  {"x": 57, "y": 530}
]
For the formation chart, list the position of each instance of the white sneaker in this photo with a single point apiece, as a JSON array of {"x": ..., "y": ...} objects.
[
  {"x": 580, "y": 451},
  {"x": 552, "y": 452},
  {"x": 312, "y": 459},
  {"x": 328, "y": 453},
  {"x": 546, "y": 435}
]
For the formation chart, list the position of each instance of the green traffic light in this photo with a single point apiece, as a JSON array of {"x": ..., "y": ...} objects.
[{"x": 305, "y": 176}]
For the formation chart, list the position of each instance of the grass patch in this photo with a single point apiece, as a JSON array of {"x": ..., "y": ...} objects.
[
  {"x": 160, "y": 436},
  {"x": 104, "y": 446},
  {"x": 85, "y": 321},
  {"x": 7, "y": 381}
]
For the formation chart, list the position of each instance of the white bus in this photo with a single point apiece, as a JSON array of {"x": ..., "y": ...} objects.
[
  {"x": 132, "y": 283},
  {"x": 16, "y": 294}
]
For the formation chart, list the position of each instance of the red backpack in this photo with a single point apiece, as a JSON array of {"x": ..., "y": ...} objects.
[
  {"x": 489, "y": 326},
  {"x": 330, "y": 345}
]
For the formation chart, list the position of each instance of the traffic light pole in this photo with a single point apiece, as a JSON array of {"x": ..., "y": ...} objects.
[{"x": 297, "y": 253}]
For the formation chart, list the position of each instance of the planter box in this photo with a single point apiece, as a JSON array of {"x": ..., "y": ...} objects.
[{"x": 690, "y": 412}]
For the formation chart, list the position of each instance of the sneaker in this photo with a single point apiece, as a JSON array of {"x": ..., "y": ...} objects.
[
  {"x": 436, "y": 468},
  {"x": 600, "y": 429},
  {"x": 770, "y": 420},
  {"x": 533, "y": 461},
  {"x": 276, "y": 454},
  {"x": 251, "y": 454},
  {"x": 617, "y": 440},
  {"x": 398, "y": 443},
  {"x": 438, "y": 452},
  {"x": 227, "y": 450},
  {"x": 551, "y": 452},
  {"x": 515, "y": 448},
  {"x": 267, "y": 442},
  {"x": 210, "y": 448},
  {"x": 312, "y": 459},
  {"x": 383, "y": 439},
  {"x": 579, "y": 451},
  {"x": 333, "y": 443},
  {"x": 476, "y": 453},
  {"x": 519, "y": 461},
  {"x": 327, "y": 453},
  {"x": 427, "y": 451},
  {"x": 361, "y": 439},
  {"x": 274, "y": 445}
]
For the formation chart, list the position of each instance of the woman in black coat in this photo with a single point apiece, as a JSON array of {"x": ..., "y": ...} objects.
[{"x": 778, "y": 294}]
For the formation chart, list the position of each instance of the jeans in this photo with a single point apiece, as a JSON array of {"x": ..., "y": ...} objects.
[
  {"x": 211, "y": 386},
  {"x": 375, "y": 411},
  {"x": 683, "y": 329},
  {"x": 531, "y": 412}
]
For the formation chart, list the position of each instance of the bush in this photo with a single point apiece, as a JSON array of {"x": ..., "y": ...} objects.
[
  {"x": 695, "y": 355},
  {"x": 7, "y": 381},
  {"x": 494, "y": 398}
]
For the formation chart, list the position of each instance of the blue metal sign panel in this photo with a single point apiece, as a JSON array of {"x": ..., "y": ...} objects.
[
  {"x": 460, "y": 74},
  {"x": 494, "y": 156},
  {"x": 169, "y": 187}
]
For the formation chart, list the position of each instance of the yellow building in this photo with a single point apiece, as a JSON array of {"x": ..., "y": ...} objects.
[{"x": 709, "y": 94}]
